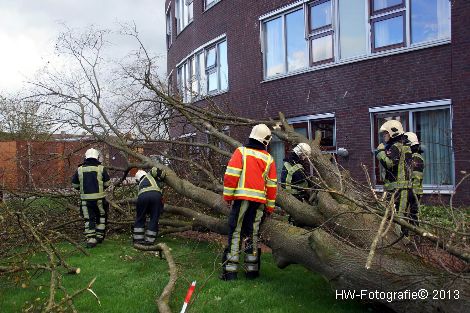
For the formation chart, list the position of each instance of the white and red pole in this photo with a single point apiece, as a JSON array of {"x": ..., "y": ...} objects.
[{"x": 188, "y": 296}]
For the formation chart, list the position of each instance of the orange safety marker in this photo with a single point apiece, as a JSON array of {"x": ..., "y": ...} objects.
[{"x": 188, "y": 296}]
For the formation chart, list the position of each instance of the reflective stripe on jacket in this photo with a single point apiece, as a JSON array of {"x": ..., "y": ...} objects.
[
  {"x": 92, "y": 181},
  {"x": 396, "y": 160},
  {"x": 148, "y": 183},
  {"x": 291, "y": 170},
  {"x": 417, "y": 174},
  {"x": 251, "y": 175}
]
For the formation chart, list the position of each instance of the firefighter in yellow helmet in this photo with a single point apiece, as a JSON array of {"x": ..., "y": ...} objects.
[
  {"x": 395, "y": 156},
  {"x": 250, "y": 186},
  {"x": 417, "y": 168},
  {"x": 294, "y": 178},
  {"x": 91, "y": 179}
]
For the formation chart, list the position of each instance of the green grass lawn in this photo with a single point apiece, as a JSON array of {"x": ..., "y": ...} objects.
[{"x": 129, "y": 280}]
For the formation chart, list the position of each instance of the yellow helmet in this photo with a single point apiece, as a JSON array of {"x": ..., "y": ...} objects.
[
  {"x": 261, "y": 133},
  {"x": 139, "y": 175},
  {"x": 92, "y": 154},
  {"x": 302, "y": 150},
  {"x": 393, "y": 128},
  {"x": 412, "y": 138}
]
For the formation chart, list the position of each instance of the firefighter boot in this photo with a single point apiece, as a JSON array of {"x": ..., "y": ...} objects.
[
  {"x": 252, "y": 264},
  {"x": 229, "y": 269},
  {"x": 91, "y": 243}
]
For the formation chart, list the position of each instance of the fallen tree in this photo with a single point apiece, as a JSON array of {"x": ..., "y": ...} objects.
[{"x": 348, "y": 232}]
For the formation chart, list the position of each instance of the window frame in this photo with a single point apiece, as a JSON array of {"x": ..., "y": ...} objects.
[
  {"x": 310, "y": 5},
  {"x": 181, "y": 24},
  {"x": 212, "y": 4},
  {"x": 309, "y": 119},
  {"x": 369, "y": 18},
  {"x": 169, "y": 27},
  {"x": 320, "y": 32},
  {"x": 203, "y": 85},
  {"x": 384, "y": 18},
  {"x": 310, "y": 43},
  {"x": 263, "y": 40},
  {"x": 410, "y": 109},
  {"x": 388, "y": 9}
]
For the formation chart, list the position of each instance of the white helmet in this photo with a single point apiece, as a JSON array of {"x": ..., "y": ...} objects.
[
  {"x": 302, "y": 150},
  {"x": 393, "y": 127},
  {"x": 139, "y": 175},
  {"x": 261, "y": 133},
  {"x": 412, "y": 138},
  {"x": 92, "y": 154}
]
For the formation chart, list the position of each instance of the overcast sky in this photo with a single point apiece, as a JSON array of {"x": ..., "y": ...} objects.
[{"x": 29, "y": 28}]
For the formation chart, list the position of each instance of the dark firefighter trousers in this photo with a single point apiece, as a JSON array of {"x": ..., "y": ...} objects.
[
  {"x": 244, "y": 222},
  {"x": 95, "y": 214},
  {"x": 148, "y": 203}
]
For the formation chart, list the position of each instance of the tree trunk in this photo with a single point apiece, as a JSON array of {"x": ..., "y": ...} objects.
[{"x": 343, "y": 267}]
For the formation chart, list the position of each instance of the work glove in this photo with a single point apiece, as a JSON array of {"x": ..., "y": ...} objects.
[{"x": 159, "y": 174}]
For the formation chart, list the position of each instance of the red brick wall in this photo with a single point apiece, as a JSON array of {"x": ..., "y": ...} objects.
[
  {"x": 349, "y": 90},
  {"x": 8, "y": 175},
  {"x": 51, "y": 164}
]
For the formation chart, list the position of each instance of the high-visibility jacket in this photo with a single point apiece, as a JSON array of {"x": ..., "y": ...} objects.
[
  {"x": 417, "y": 174},
  {"x": 251, "y": 175},
  {"x": 91, "y": 178},
  {"x": 290, "y": 186},
  {"x": 396, "y": 159},
  {"x": 149, "y": 183}
]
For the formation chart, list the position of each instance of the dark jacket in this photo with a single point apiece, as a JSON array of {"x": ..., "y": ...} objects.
[
  {"x": 397, "y": 175},
  {"x": 91, "y": 179},
  {"x": 299, "y": 177},
  {"x": 152, "y": 181},
  {"x": 255, "y": 144},
  {"x": 417, "y": 169}
]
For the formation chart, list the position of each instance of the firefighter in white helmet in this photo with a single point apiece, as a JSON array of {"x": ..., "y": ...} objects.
[
  {"x": 91, "y": 179},
  {"x": 417, "y": 168},
  {"x": 294, "y": 178},
  {"x": 395, "y": 157},
  {"x": 149, "y": 203},
  {"x": 250, "y": 186}
]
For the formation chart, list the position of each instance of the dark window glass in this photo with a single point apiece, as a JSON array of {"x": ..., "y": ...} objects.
[{"x": 326, "y": 130}]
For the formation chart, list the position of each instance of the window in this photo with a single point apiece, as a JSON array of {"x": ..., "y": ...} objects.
[
  {"x": 388, "y": 31},
  {"x": 325, "y": 129},
  {"x": 378, "y": 6},
  {"x": 432, "y": 125},
  {"x": 209, "y": 3},
  {"x": 285, "y": 47},
  {"x": 353, "y": 30},
  {"x": 205, "y": 72},
  {"x": 169, "y": 29},
  {"x": 315, "y": 34},
  {"x": 184, "y": 13},
  {"x": 322, "y": 125},
  {"x": 321, "y": 31},
  {"x": 430, "y": 20}
]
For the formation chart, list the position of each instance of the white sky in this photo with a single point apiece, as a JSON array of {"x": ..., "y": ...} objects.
[{"x": 29, "y": 28}]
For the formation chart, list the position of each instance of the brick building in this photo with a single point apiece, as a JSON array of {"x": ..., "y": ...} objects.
[
  {"x": 29, "y": 165},
  {"x": 341, "y": 67}
]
